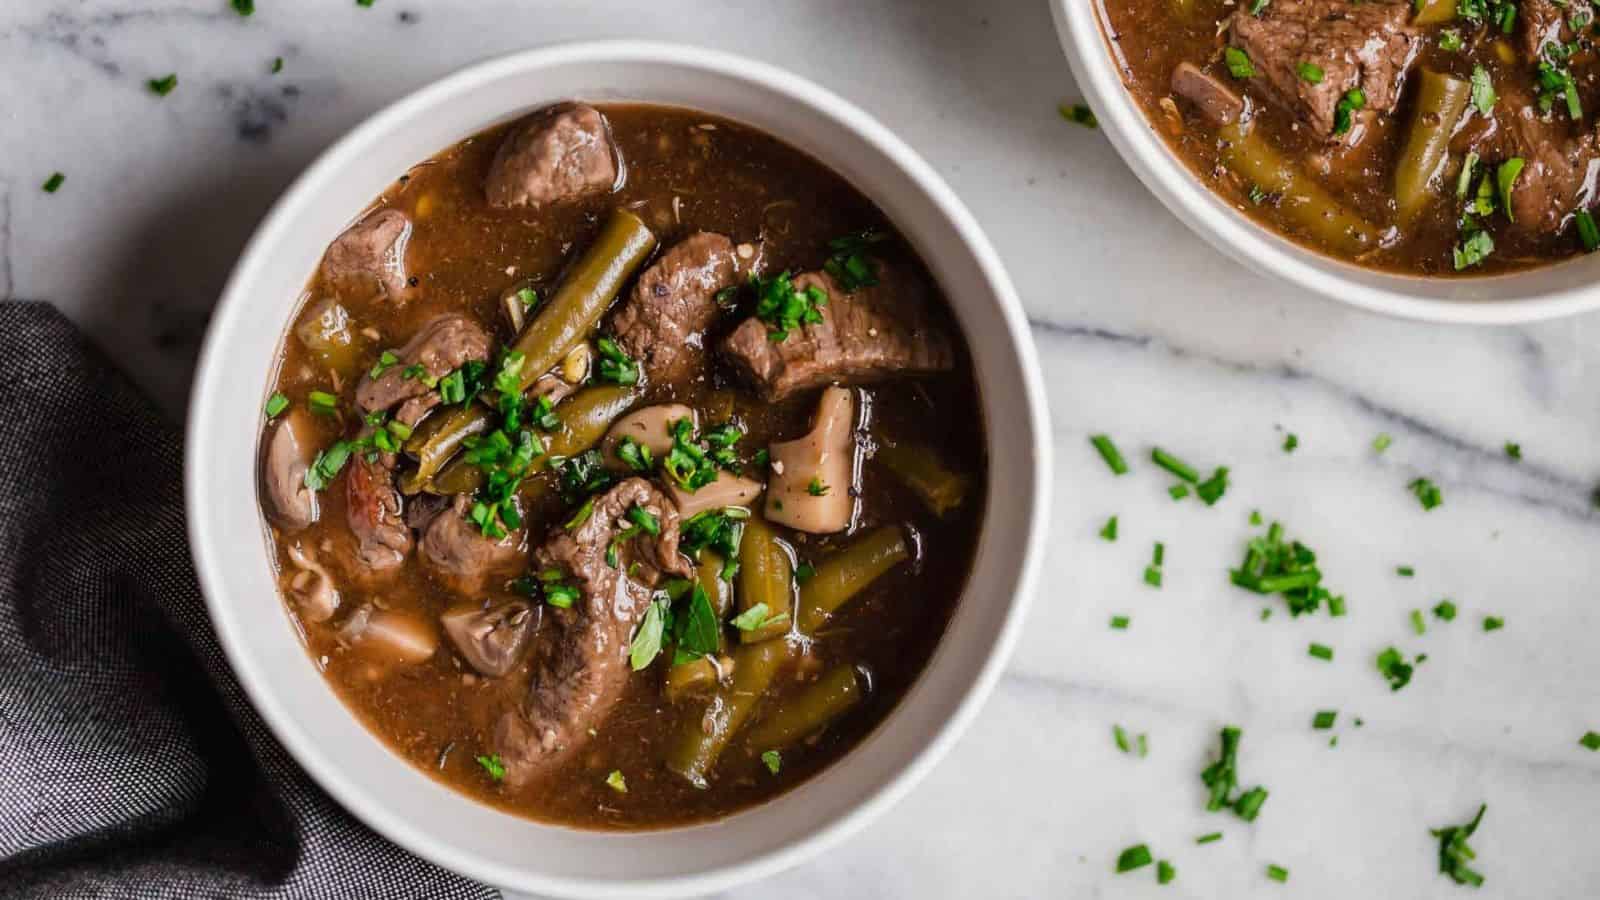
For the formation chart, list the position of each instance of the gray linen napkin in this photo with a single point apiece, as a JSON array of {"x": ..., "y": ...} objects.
[{"x": 131, "y": 764}]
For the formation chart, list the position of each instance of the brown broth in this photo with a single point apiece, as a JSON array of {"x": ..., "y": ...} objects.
[{"x": 685, "y": 172}]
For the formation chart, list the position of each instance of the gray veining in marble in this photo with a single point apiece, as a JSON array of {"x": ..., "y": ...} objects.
[{"x": 1145, "y": 332}]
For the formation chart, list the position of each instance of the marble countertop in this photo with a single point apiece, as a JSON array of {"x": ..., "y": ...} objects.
[{"x": 1146, "y": 334}]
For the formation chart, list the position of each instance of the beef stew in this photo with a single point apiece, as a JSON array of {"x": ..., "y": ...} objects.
[
  {"x": 622, "y": 467},
  {"x": 1423, "y": 137}
]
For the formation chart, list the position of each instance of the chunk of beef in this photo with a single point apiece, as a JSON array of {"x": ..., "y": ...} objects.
[
  {"x": 457, "y": 550},
  {"x": 373, "y": 512},
  {"x": 1356, "y": 45},
  {"x": 290, "y": 452},
  {"x": 1218, "y": 104},
  {"x": 369, "y": 259},
  {"x": 559, "y": 154},
  {"x": 673, "y": 302},
  {"x": 1541, "y": 22},
  {"x": 580, "y": 662},
  {"x": 868, "y": 334},
  {"x": 1559, "y": 162},
  {"x": 439, "y": 347},
  {"x": 491, "y": 640}
]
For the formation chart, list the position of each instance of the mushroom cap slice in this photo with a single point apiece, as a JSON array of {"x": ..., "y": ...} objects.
[
  {"x": 491, "y": 640},
  {"x": 290, "y": 450},
  {"x": 811, "y": 487},
  {"x": 651, "y": 426}
]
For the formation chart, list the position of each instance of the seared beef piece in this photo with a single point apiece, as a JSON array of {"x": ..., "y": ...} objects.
[
  {"x": 369, "y": 259},
  {"x": 872, "y": 333},
  {"x": 1558, "y": 161},
  {"x": 440, "y": 347},
  {"x": 290, "y": 451},
  {"x": 457, "y": 550},
  {"x": 491, "y": 640},
  {"x": 1218, "y": 104},
  {"x": 1357, "y": 45},
  {"x": 580, "y": 663},
  {"x": 559, "y": 154},
  {"x": 1541, "y": 22},
  {"x": 373, "y": 511},
  {"x": 673, "y": 302}
]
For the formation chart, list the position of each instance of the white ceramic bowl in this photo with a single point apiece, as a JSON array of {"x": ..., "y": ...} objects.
[
  {"x": 422, "y": 815},
  {"x": 1556, "y": 290}
]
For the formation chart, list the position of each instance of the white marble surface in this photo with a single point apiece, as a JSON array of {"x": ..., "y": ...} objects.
[{"x": 1145, "y": 332}]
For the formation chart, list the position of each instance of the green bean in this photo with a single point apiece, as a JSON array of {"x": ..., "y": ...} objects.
[
  {"x": 703, "y": 737},
  {"x": 588, "y": 288},
  {"x": 584, "y": 416},
  {"x": 686, "y": 679},
  {"x": 1304, "y": 201},
  {"x": 1441, "y": 101},
  {"x": 1433, "y": 12},
  {"x": 919, "y": 468},
  {"x": 765, "y": 577},
  {"x": 809, "y": 711},
  {"x": 847, "y": 572},
  {"x": 433, "y": 447},
  {"x": 568, "y": 317},
  {"x": 709, "y": 574}
]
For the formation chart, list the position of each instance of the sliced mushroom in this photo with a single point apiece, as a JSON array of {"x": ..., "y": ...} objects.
[
  {"x": 312, "y": 587},
  {"x": 651, "y": 426},
  {"x": 810, "y": 488},
  {"x": 290, "y": 450},
  {"x": 389, "y": 634},
  {"x": 369, "y": 258},
  {"x": 728, "y": 490},
  {"x": 491, "y": 640}
]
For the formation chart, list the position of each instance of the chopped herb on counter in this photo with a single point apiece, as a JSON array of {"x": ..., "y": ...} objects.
[
  {"x": 162, "y": 86},
  {"x": 1428, "y": 493},
  {"x": 1324, "y": 719},
  {"x": 1274, "y": 566},
  {"x": 1493, "y": 623},
  {"x": 1417, "y": 624},
  {"x": 1514, "y": 450},
  {"x": 1221, "y": 779},
  {"x": 1109, "y": 532},
  {"x": 1320, "y": 651},
  {"x": 1109, "y": 453},
  {"x": 1079, "y": 114},
  {"x": 1445, "y": 610},
  {"x": 1278, "y": 873},
  {"x": 1135, "y": 857},
  {"x": 1393, "y": 666},
  {"x": 1405, "y": 571},
  {"x": 1382, "y": 442},
  {"x": 1120, "y": 622},
  {"x": 1290, "y": 442},
  {"x": 1176, "y": 466},
  {"x": 53, "y": 183},
  {"x": 1165, "y": 872},
  {"x": 1455, "y": 853},
  {"x": 1210, "y": 838},
  {"x": 1590, "y": 741}
]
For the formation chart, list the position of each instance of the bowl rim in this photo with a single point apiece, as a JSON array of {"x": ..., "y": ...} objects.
[
  {"x": 211, "y": 369},
  {"x": 1079, "y": 28}
]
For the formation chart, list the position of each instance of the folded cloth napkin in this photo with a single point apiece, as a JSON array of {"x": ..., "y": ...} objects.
[{"x": 131, "y": 764}]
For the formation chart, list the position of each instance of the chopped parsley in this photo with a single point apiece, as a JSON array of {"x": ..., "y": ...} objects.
[
  {"x": 1428, "y": 493},
  {"x": 461, "y": 384},
  {"x": 53, "y": 183},
  {"x": 1277, "y": 873},
  {"x": 579, "y": 476},
  {"x": 1310, "y": 72},
  {"x": 1109, "y": 532},
  {"x": 1152, "y": 572},
  {"x": 646, "y": 643},
  {"x": 1165, "y": 872},
  {"x": 1392, "y": 665},
  {"x": 1290, "y": 442},
  {"x": 277, "y": 64},
  {"x": 849, "y": 262},
  {"x": 1127, "y": 744},
  {"x": 1588, "y": 232},
  {"x": 634, "y": 455},
  {"x": 1320, "y": 651},
  {"x": 816, "y": 488},
  {"x": 1482, "y": 96},
  {"x": 772, "y": 760},
  {"x": 1493, "y": 623},
  {"x": 1209, "y": 838},
  {"x": 783, "y": 308},
  {"x": 1382, "y": 442},
  {"x": 244, "y": 7},
  {"x": 615, "y": 366},
  {"x": 1417, "y": 623},
  {"x": 1454, "y": 852},
  {"x": 687, "y": 462},
  {"x": 1212, "y": 489},
  {"x": 1405, "y": 571},
  {"x": 1135, "y": 857},
  {"x": 1221, "y": 779},
  {"x": 1079, "y": 114},
  {"x": 1555, "y": 82},
  {"x": 1475, "y": 247},
  {"x": 1505, "y": 177},
  {"x": 162, "y": 86},
  {"x": 1590, "y": 741},
  {"x": 720, "y": 530},
  {"x": 1324, "y": 719},
  {"x": 1174, "y": 465},
  {"x": 276, "y": 404},
  {"x": 1257, "y": 7},
  {"x": 1450, "y": 40},
  {"x": 1272, "y": 565},
  {"x": 695, "y": 629},
  {"x": 758, "y": 617},
  {"x": 1445, "y": 610},
  {"x": 385, "y": 360},
  {"x": 615, "y": 781},
  {"x": 1238, "y": 63},
  {"x": 1110, "y": 453},
  {"x": 322, "y": 403},
  {"x": 1514, "y": 451},
  {"x": 1178, "y": 491},
  {"x": 1120, "y": 623},
  {"x": 492, "y": 763}
]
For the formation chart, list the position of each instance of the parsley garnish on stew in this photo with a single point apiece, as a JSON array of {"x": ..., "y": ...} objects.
[
  {"x": 1238, "y": 63},
  {"x": 615, "y": 365},
  {"x": 849, "y": 262},
  {"x": 276, "y": 404},
  {"x": 772, "y": 761},
  {"x": 783, "y": 308},
  {"x": 493, "y": 765},
  {"x": 719, "y": 530}
]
